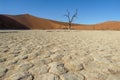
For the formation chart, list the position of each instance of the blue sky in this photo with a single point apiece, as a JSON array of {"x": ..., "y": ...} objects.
[{"x": 89, "y": 11}]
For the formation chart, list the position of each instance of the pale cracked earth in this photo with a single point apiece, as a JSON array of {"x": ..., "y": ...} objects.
[{"x": 59, "y": 55}]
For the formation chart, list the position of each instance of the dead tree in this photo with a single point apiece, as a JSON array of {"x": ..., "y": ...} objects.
[{"x": 70, "y": 18}]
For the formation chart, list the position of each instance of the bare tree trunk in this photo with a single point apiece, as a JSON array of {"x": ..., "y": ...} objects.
[
  {"x": 69, "y": 25},
  {"x": 70, "y": 18}
]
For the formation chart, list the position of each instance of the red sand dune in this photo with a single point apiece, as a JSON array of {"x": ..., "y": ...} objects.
[{"x": 27, "y": 21}]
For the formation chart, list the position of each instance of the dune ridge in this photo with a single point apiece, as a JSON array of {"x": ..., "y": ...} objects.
[{"x": 27, "y": 21}]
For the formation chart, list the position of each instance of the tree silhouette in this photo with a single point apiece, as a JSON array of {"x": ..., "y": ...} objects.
[{"x": 70, "y": 18}]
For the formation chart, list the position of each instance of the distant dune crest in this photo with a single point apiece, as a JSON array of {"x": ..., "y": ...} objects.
[{"x": 27, "y": 21}]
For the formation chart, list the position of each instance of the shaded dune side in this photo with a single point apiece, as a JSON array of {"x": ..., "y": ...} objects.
[
  {"x": 33, "y": 22},
  {"x": 27, "y": 21},
  {"x": 10, "y": 23}
]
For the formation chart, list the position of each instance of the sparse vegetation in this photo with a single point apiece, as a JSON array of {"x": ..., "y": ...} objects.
[{"x": 70, "y": 18}]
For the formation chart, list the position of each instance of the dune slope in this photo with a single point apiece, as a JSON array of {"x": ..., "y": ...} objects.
[{"x": 27, "y": 21}]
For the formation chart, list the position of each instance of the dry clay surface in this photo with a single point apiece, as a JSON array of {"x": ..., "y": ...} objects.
[{"x": 59, "y": 55}]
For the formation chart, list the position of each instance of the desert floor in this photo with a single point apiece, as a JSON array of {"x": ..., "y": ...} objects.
[{"x": 59, "y": 55}]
